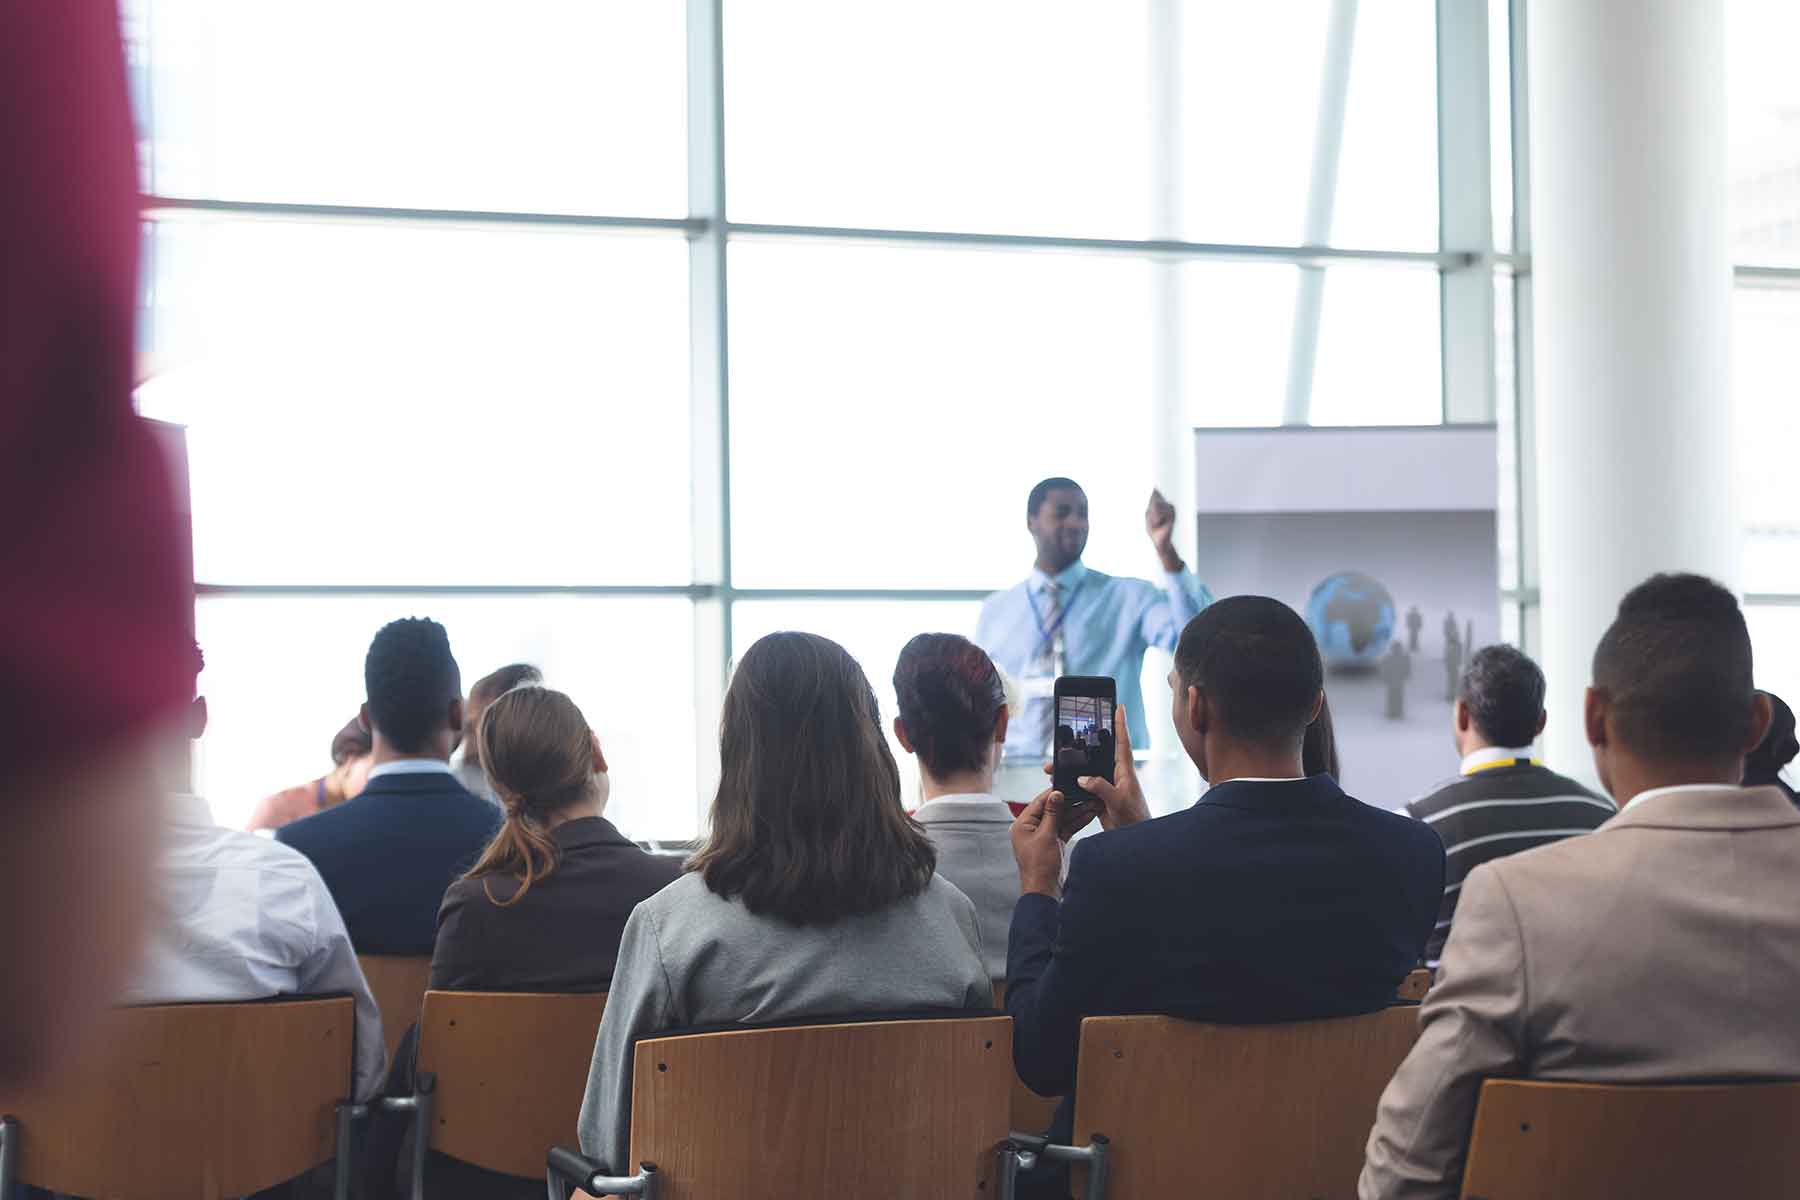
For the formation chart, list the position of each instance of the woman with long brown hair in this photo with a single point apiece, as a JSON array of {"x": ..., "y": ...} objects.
[
  {"x": 545, "y": 905},
  {"x": 815, "y": 893}
]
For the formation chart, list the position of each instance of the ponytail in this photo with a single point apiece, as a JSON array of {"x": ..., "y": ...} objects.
[{"x": 538, "y": 753}]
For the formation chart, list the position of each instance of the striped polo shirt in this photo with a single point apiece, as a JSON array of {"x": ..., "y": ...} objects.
[{"x": 1502, "y": 804}]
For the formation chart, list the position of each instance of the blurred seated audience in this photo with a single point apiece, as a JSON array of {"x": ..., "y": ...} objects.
[
  {"x": 953, "y": 717},
  {"x": 389, "y": 855},
  {"x": 814, "y": 894},
  {"x": 1319, "y": 753},
  {"x": 98, "y": 602},
  {"x": 239, "y": 917},
  {"x": 349, "y": 774},
  {"x": 1763, "y": 765},
  {"x": 1276, "y": 897},
  {"x": 467, "y": 761},
  {"x": 1664, "y": 947},
  {"x": 1505, "y": 800}
]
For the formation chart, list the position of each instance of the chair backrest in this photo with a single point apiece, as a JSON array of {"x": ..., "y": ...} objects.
[
  {"x": 398, "y": 982},
  {"x": 192, "y": 1100},
  {"x": 1415, "y": 985},
  {"x": 1236, "y": 1110},
  {"x": 511, "y": 1071},
  {"x": 1535, "y": 1139},
  {"x": 1031, "y": 1113},
  {"x": 883, "y": 1110}
]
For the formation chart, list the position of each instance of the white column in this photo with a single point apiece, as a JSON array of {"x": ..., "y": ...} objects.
[{"x": 1632, "y": 280}]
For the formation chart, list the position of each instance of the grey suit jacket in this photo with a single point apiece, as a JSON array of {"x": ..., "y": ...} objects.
[
  {"x": 974, "y": 844},
  {"x": 690, "y": 957},
  {"x": 1663, "y": 947}
]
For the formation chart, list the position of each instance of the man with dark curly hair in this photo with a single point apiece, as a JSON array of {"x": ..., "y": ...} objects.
[{"x": 389, "y": 854}]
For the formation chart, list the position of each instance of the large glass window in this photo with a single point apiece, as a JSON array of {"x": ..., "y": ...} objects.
[
  {"x": 424, "y": 286},
  {"x": 283, "y": 674},
  {"x": 372, "y": 403},
  {"x": 537, "y": 105}
]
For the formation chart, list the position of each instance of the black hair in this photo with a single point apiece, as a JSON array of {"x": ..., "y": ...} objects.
[
  {"x": 412, "y": 680},
  {"x": 1677, "y": 671},
  {"x": 1318, "y": 753},
  {"x": 1504, "y": 691},
  {"x": 1258, "y": 661},
  {"x": 1778, "y": 747},
  {"x": 950, "y": 697},
  {"x": 1044, "y": 487},
  {"x": 495, "y": 684}
]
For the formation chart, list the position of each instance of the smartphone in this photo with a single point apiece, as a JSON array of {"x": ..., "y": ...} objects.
[{"x": 1083, "y": 739}]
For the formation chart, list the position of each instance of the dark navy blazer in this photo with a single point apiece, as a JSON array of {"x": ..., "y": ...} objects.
[
  {"x": 1263, "y": 902},
  {"x": 389, "y": 855}
]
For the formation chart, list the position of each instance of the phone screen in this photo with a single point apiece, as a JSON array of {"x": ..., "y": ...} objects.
[{"x": 1084, "y": 739}]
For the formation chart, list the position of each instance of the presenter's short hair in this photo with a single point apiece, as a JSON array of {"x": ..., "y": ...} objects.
[
  {"x": 1677, "y": 671},
  {"x": 1504, "y": 691},
  {"x": 412, "y": 679},
  {"x": 1257, "y": 659},
  {"x": 1044, "y": 487}
]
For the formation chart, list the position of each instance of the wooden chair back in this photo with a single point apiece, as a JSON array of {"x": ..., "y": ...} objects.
[
  {"x": 1535, "y": 1139},
  {"x": 511, "y": 1071},
  {"x": 884, "y": 1110},
  {"x": 1415, "y": 985},
  {"x": 1031, "y": 1113},
  {"x": 398, "y": 983},
  {"x": 188, "y": 1100},
  {"x": 1247, "y": 1111}
]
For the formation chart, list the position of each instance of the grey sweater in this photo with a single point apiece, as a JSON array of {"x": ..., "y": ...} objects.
[
  {"x": 973, "y": 836},
  {"x": 689, "y": 957}
]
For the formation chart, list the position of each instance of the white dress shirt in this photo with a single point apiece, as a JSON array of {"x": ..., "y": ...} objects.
[
  {"x": 242, "y": 918},
  {"x": 1674, "y": 789},
  {"x": 411, "y": 766}
]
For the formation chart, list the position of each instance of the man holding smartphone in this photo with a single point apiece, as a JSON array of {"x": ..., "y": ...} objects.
[
  {"x": 1068, "y": 619},
  {"x": 1275, "y": 898}
]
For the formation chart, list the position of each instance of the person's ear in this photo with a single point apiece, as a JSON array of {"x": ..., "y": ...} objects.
[
  {"x": 1198, "y": 713},
  {"x": 1463, "y": 718},
  {"x": 362, "y": 720},
  {"x": 1318, "y": 706},
  {"x": 1000, "y": 724},
  {"x": 599, "y": 757},
  {"x": 197, "y": 717},
  {"x": 1543, "y": 720},
  {"x": 456, "y": 715},
  {"x": 1594, "y": 717},
  {"x": 900, "y": 736},
  {"x": 1761, "y": 713}
]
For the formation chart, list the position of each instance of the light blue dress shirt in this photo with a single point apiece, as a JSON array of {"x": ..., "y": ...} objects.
[{"x": 1108, "y": 623}]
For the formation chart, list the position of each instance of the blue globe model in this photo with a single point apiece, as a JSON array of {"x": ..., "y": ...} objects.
[{"x": 1352, "y": 616}]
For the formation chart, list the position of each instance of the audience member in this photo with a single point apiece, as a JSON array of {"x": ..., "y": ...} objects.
[
  {"x": 1763, "y": 766},
  {"x": 1319, "y": 753},
  {"x": 813, "y": 895},
  {"x": 953, "y": 716},
  {"x": 349, "y": 774},
  {"x": 1277, "y": 897},
  {"x": 389, "y": 854},
  {"x": 1505, "y": 800},
  {"x": 1666, "y": 946},
  {"x": 544, "y": 907},
  {"x": 467, "y": 761},
  {"x": 98, "y": 600},
  {"x": 239, "y": 917}
]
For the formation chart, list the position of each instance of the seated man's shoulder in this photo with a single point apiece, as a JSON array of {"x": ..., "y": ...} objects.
[
  {"x": 1399, "y": 828},
  {"x": 1138, "y": 847}
]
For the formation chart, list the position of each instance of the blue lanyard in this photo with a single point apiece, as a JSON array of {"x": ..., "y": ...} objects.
[{"x": 1049, "y": 635}]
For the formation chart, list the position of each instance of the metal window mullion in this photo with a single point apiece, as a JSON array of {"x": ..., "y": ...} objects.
[
  {"x": 709, "y": 382},
  {"x": 1524, "y": 382},
  {"x": 1465, "y": 210},
  {"x": 1321, "y": 199}
]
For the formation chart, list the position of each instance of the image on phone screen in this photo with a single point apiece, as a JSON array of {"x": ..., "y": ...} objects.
[{"x": 1084, "y": 736}]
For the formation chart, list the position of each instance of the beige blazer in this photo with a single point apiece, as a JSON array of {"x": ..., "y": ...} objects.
[{"x": 1664, "y": 946}]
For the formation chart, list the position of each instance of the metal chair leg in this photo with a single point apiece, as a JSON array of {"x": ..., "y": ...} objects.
[
  {"x": 423, "y": 1093},
  {"x": 347, "y": 1116}
]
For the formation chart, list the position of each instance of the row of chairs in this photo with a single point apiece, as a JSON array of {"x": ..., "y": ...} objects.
[{"x": 227, "y": 1099}]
